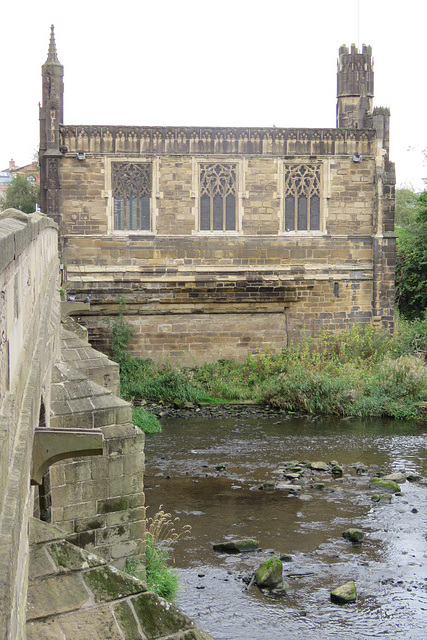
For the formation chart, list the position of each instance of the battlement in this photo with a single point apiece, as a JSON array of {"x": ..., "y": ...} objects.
[
  {"x": 381, "y": 111},
  {"x": 355, "y": 72}
]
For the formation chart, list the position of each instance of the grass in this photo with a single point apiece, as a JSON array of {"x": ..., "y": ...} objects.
[
  {"x": 360, "y": 371},
  {"x": 161, "y": 534},
  {"x": 160, "y": 577},
  {"x": 145, "y": 420}
]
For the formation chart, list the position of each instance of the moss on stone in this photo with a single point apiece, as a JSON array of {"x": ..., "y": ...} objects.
[
  {"x": 96, "y": 523},
  {"x": 114, "y": 504},
  {"x": 344, "y": 594},
  {"x": 67, "y": 556},
  {"x": 158, "y": 617},
  {"x": 108, "y": 583},
  {"x": 269, "y": 574},
  {"x": 237, "y": 546},
  {"x": 354, "y": 535},
  {"x": 126, "y": 620},
  {"x": 388, "y": 485}
]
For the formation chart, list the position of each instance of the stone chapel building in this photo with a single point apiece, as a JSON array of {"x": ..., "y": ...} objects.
[{"x": 223, "y": 240}]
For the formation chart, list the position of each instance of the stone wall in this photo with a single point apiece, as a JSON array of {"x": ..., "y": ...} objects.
[
  {"x": 29, "y": 343},
  {"x": 198, "y": 296},
  {"x": 97, "y": 500},
  {"x": 57, "y": 402}
]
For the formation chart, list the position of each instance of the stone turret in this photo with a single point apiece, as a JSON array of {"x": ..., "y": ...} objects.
[
  {"x": 51, "y": 115},
  {"x": 355, "y": 87}
]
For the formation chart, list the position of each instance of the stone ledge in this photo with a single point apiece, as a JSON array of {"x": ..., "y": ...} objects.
[{"x": 75, "y": 595}]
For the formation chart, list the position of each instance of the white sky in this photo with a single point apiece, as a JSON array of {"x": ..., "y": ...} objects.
[{"x": 219, "y": 63}]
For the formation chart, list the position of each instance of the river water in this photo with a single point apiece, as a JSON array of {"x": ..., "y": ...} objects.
[{"x": 389, "y": 567}]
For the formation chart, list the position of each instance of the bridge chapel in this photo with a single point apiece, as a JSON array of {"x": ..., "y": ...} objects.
[{"x": 223, "y": 240}]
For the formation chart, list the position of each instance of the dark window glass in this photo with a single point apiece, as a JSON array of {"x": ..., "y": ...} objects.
[
  {"x": 119, "y": 213},
  {"x": 302, "y": 213},
  {"x": 131, "y": 213},
  {"x": 205, "y": 213},
  {"x": 230, "y": 213},
  {"x": 145, "y": 213},
  {"x": 290, "y": 213},
  {"x": 217, "y": 207},
  {"x": 315, "y": 213}
]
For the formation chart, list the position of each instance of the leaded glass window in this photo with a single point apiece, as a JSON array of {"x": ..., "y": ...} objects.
[
  {"x": 302, "y": 197},
  {"x": 218, "y": 197},
  {"x": 131, "y": 183}
]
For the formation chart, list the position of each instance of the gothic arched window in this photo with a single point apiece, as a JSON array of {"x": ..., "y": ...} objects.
[
  {"x": 218, "y": 196},
  {"x": 132, "y": 187},
  {"x": 302, "y": 197}
]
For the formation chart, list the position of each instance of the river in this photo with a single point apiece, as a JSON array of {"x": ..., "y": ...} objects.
[{"x": 389, "y": 567}]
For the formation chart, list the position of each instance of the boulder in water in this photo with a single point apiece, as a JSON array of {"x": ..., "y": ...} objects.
[
  {"x": 387, "y": 485},
  {"x": 237, "y": 546},
  {"x": 269, "y": 574},
  {"x": 319, "y": 466},
  {"x": 354, "y": 535},
  {"x": 344, "y": 594}
]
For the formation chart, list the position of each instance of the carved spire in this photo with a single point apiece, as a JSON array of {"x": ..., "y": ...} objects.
[{"x": 52, "y": 56}]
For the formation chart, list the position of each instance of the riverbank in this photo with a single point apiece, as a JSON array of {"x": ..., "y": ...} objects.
[{"x": 359, "y": 372}]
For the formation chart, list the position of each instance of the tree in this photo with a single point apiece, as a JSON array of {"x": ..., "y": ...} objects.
[
  {"x": 411, "y": 263},
  {"x": 406, "y": 200},
  {"x": 21, "y": 194}
]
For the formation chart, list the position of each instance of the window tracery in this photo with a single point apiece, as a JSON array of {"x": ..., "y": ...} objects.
[
  {"x": 302, "y": 197},
  {"x": 131, "y": 190},
  {"x": 218, "y": 194}
]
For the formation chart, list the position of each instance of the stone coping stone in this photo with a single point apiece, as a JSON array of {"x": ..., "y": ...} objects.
[{"x": 17, "y": 230}]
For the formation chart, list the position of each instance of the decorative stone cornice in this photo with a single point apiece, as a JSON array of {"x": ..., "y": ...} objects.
[{"x": 214, "y": 140}]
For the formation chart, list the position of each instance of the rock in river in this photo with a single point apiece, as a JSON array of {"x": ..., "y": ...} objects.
[
  {"x": 237, "y": 546},
  {"x": 387, "y": 485},
  {"x": 344, "y": 594},
  {"x": 383, "y": 497},
  {"x": 287, "y": 486},
  {"x": 395, "y": 477},
  {"x": 319, "y": 466},
  {"x": 354, "y": 535},
  {"x": 269, "y": 574}
]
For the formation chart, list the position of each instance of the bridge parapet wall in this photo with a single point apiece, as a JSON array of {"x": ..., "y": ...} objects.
[{"x": 29, "y": 344}]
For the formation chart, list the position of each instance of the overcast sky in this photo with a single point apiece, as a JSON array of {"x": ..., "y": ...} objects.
[{"x": 226, "y": 62}]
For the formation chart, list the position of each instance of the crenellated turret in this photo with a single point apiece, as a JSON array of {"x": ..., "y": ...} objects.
[{"x": 355, "y": 87}]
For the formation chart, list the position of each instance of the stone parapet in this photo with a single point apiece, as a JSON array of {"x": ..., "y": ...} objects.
[
  {"x": 214, "y": 140},
  {"x": 78, "y": 353},
  {"x": 29, "y": 343}
]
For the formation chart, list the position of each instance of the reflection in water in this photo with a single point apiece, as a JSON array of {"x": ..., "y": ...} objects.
[{"x": 388, "y": 567}]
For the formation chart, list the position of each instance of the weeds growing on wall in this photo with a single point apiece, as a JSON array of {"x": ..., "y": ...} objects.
[
  {"x": 360, "y": 371},
  {"x": 162, "y": 533}
]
